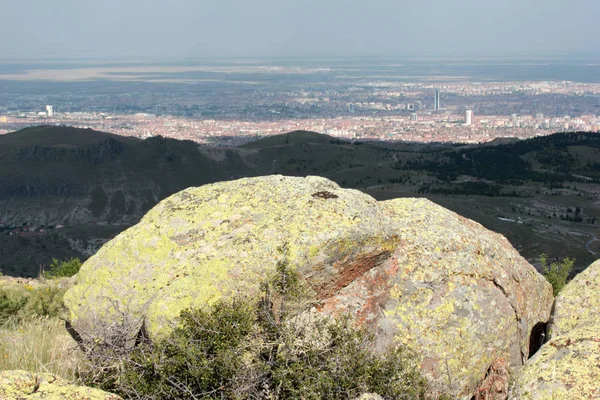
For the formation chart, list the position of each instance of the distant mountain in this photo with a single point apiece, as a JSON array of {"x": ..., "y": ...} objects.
[{"x": 96, "y": 184}]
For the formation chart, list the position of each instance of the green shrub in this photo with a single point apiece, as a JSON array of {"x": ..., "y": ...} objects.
[
  {"x": 44, "y": 301},
  {"x": 557, "y": 273},
  {"x": 225, "y": 353},
  {"x": 24, "y": 301},
  {"x": 203, "y": 356},
  {"x": 340, "y": 363},
  {"x": 62, "y": 269},
  {"x": 271, "y": 349},
  {"x": 12, "y": 299}
]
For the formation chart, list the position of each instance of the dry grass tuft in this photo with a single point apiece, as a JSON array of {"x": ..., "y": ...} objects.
[{"x": 40, "y": 344}]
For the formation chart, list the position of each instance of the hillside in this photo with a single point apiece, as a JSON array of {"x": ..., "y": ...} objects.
[
  {"x": 295, "y": 137},
  {"x": 73, "y": 176},
  {"x": 543, "y": 193}
]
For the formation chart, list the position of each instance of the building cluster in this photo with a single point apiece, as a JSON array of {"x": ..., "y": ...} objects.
[
  {"x": 415, "y": 127},
  {"x": 449, "y": 112}
]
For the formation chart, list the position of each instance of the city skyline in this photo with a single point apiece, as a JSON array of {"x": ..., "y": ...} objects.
[{"x": 472, "y": 112}]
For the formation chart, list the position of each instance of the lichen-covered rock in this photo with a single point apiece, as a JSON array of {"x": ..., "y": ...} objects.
[
  {"x": 218, "y": 240},
  {"x": 418, "y": 274},
  {"x": 578, "y": 303},
  {"x": 568, "y": 365},
  {"x": 458, "y": 294},
  {"x": 565, "y": 368},
  {"x": 495, "y": 386},
  {"x": 23, "y": 385}
]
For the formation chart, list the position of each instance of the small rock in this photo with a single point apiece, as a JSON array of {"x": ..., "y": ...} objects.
[{"x": 23, "y": 385}]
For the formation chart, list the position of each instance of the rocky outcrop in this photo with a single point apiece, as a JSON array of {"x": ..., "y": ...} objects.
[
  {"x": 25, "y": 385},
  {"x": 417, "y": 274},
  {"x": 52, "y": 175},
  {"x": 35, "y": 187},
  {"x": 457, "y": 293},
  {"x": 568, "y": 365},
  {"x": 219, "y": 240},
  {"x": 496, "y": 384}
]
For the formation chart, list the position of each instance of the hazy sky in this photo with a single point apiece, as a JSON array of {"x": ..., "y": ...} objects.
[{"x": 282, "y": 28}]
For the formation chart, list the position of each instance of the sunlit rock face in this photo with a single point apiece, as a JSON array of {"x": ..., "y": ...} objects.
[{"x": 414, "y": 272}]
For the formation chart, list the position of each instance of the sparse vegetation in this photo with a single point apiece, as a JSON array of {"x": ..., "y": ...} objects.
[
  {"x": 557, "y": 273},
  {"x": 25, "y": 301},
  {"x": 62, "y": 269},
  {"x": 32, "y": 337},
  {"x": 39, "y": 344},
  {"x": 230, "y": 352},
  {"x": 12, "y": 300},
  {"x": 44, "y": 301},
  {"x": 272, "y": 349}
]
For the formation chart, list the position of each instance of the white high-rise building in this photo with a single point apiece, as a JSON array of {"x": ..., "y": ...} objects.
[
  {"x": 49, "y": 111},
  {"x": 468, "y": 117}
]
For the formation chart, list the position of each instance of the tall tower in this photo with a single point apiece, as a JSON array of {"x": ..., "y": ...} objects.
[
  {"x": 49, "y": 111},
  {"x": 468, "y": 117},
  {"x": 436, "y": 104}
]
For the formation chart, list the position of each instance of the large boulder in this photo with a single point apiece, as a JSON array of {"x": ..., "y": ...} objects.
[
  {"x": 459, "y": 294},
  {"x": 25, "y": 385},
  {"x": 416, "y": 273},
  {"x": 568, "y": 365},
  {"x": 223, "y": 239}
]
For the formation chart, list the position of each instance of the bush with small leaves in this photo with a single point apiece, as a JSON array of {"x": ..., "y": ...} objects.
[
  {"x": 557, "y": 273},
  {"x": 62, "y": 269},
  {"x": 45, "y": 301},
  {"x": 12, "y": 300},
  {"x": 24, "y": 301},
  {"x": 341, "y": 364},
  {"x": 274, "y": 348},
  {"x": 223, "y": 353}
]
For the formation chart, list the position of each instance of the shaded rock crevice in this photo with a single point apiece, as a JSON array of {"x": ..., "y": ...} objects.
[{"x": 537, "y": 338}]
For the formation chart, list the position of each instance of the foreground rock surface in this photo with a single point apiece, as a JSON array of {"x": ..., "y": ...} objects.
[
  {"x": 418, "y": 274},
  {"x": 25, "y": 385},
  {"x": 462, "y": 296},
  {"x": 568, "y": 365},
  {"x": 578, "y": 303}
]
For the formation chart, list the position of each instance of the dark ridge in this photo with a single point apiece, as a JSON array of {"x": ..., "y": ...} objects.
[
  {"x": 52, "y": 175},
  {"x": 292, "y": 138}
]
